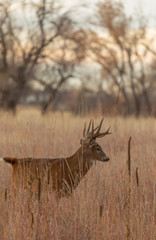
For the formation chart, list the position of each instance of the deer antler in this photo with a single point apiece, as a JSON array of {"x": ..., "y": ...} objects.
[{"x": 95, "y": 132}]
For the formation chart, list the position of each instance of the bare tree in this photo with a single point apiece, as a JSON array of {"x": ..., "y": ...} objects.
[
  {"x": 39, "y": 39},
  {"x": 60, "y": 66},
  {"x": 117, "y": 50}
]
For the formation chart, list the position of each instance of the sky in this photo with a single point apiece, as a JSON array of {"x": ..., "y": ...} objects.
[{"x": 148, "y": 7}]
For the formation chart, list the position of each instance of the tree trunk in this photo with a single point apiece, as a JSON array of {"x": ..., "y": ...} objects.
[
  {"x": 124, "y": 93},
  {"x": 136, "y": 98},
  {"x": 146, "y": 97}
]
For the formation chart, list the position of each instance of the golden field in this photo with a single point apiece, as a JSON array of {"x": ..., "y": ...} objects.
[{"x": 101, "y": 207}]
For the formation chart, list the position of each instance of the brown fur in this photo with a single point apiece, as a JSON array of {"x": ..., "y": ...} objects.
[{"x": 64, "y": 173}]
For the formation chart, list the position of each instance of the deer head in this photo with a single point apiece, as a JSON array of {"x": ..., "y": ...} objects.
[{"x": 92, "y": 150}]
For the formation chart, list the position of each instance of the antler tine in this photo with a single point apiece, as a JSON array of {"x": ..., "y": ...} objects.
[
  {"x": 104, "y": 133},
  {"x": 87, "y": 135},
  {"x": 92, "y": 128},
  {"x": 99, "y": 127},
  {"x": 97, "y": 134},
  {"x": 84, "y": 131},
  {"x": 94, "y": 133}
]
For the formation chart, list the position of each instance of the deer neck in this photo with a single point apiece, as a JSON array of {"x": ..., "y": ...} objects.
[{"x": 81, "y": 159}]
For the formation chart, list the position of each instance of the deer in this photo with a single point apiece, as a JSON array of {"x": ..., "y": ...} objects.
[{"x": 65, "y": 174}]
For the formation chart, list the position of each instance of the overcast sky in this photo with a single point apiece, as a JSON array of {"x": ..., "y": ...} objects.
[{"x": 148, "y": 8}]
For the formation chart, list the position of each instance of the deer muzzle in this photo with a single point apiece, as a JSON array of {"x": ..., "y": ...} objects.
[{"x": 106, "y": 159}]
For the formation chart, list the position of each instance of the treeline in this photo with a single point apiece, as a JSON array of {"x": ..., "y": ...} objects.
[{"x": 43, "y": 52}]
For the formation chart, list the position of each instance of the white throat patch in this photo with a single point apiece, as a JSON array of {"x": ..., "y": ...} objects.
[{"x": 92, "y": 161}]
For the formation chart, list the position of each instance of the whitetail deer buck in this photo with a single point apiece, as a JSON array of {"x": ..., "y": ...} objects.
[{"x": 64, "y": 173}]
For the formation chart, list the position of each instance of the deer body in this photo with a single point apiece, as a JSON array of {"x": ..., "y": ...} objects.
[{"x": 64, "y": 173}]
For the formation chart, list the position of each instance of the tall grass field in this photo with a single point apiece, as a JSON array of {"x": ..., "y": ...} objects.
[{"x": 108, "y": 204}]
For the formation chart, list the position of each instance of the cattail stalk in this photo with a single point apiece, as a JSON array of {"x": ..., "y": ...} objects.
[
  {"x": 129, "y": 191},
  {"x": 137, "y": 177}
]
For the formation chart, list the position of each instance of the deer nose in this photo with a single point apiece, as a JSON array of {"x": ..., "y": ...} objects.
[{"x": 106, "y": 159}]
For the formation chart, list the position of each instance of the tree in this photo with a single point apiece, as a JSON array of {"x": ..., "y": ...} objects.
[
  {"x": 121, "y": 53},
  {"x": 36, "y": 44}
]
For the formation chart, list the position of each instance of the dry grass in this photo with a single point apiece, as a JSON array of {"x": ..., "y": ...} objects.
[{"x": 98, "y": 207}]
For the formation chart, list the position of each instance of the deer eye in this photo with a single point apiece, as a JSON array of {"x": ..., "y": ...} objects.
[{"x": 98, "y": 149}]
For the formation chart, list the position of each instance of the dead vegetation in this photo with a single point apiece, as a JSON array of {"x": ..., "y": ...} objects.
[{"x": 98, "y": 207}]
